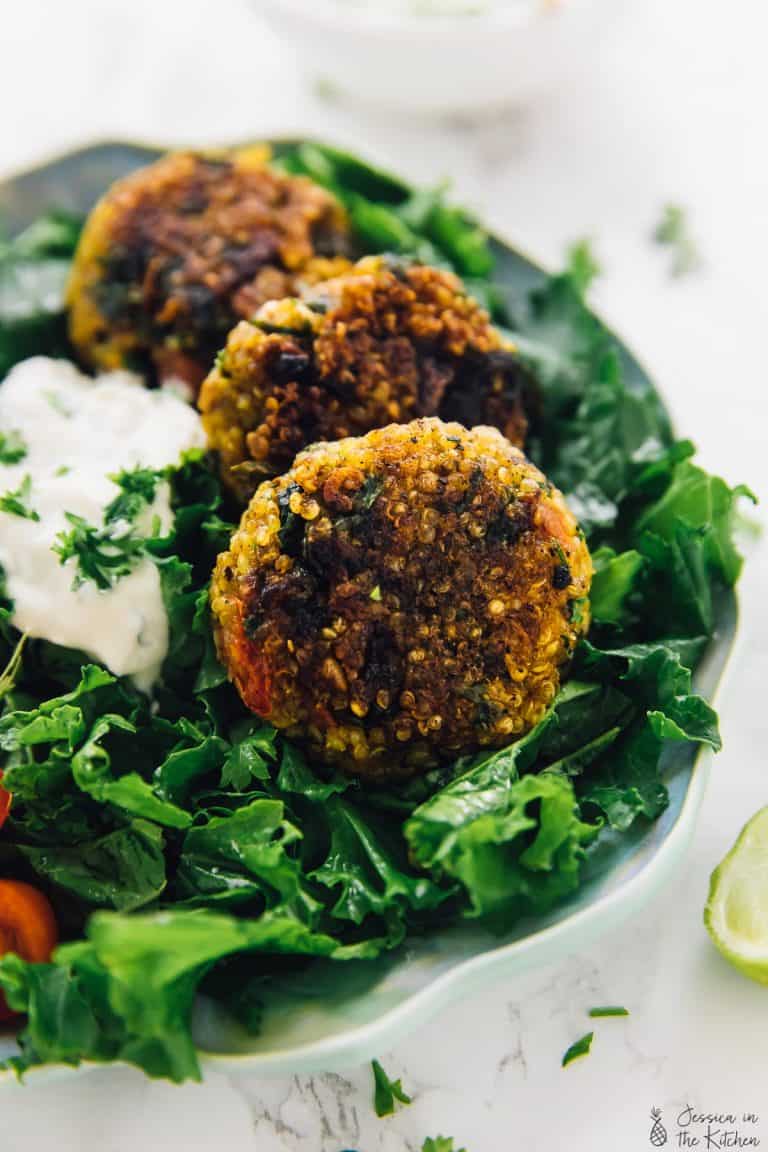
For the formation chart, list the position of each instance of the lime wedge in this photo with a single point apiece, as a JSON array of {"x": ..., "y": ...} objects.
[{"x": 736, "y": 913}]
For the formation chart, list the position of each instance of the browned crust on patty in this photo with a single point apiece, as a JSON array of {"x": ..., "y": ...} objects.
[
  {"x": 174, "y": 254},
  {"x": 384, "y": 342},
  {"x": 401, "y": 598}
]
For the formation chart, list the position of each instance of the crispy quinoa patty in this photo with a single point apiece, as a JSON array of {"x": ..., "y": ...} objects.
[
  {"x": 177, "y": 252},
  {"x": 385, "y": 342},
  {"x": 399, "y": 598}
]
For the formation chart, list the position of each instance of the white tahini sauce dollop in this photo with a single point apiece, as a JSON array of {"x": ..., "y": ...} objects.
[{"x": 77, "y": 431}]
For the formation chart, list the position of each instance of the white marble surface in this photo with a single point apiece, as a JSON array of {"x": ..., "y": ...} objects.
[{"x": 670, "y": 105}]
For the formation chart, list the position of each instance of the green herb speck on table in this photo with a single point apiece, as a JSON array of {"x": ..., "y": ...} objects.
[
  {"x": 580, "y": 1048},
  {"x": 440, "y": 1144},
  {"x": 386, "y": 1091},
  {"x": 673, "y": 232}
]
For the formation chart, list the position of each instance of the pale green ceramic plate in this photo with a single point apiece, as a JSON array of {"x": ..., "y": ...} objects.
[{"x": 337, "y": 1015}]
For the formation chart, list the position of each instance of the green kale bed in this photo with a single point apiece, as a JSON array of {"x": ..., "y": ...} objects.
[{"x": 187, "y": 847}]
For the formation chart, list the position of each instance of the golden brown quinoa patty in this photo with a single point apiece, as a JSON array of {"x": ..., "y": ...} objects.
[
  {"x": 384, "y": 342},
  {"x": 399, "y": 598},
  {"x": 174, "y": 254}
]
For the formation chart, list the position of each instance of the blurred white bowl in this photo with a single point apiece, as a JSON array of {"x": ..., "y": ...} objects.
[{"x": 493, "y": 55}]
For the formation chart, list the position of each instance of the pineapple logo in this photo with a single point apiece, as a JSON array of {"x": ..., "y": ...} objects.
[{"x": 658, "y": 1136}]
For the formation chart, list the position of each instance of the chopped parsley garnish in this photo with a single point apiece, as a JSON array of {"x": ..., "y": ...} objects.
[
  {"x": 610, "y": 1010},
  {"x": 580, "y": 1048},
  {"x": 578, "y": 608},
  {"x": 440, "y": 1144},
  {"x": 138, "y": 487},
  {"x": 13, "y": 447},
  {"x": 17, "y": 503},
  {"x": 375, "y": 594},
  {"x": 368, "y": 493},
  {"x": 673, "y": 232},
  {"x": 12, "y": 668},
  {"x": 386, "y": 1091},
  {"x": 103, "y": 554},
  {"x": 560, "y": 552}
]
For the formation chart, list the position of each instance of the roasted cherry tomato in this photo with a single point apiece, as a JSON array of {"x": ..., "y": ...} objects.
[{"x": 27, "y": 926}]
